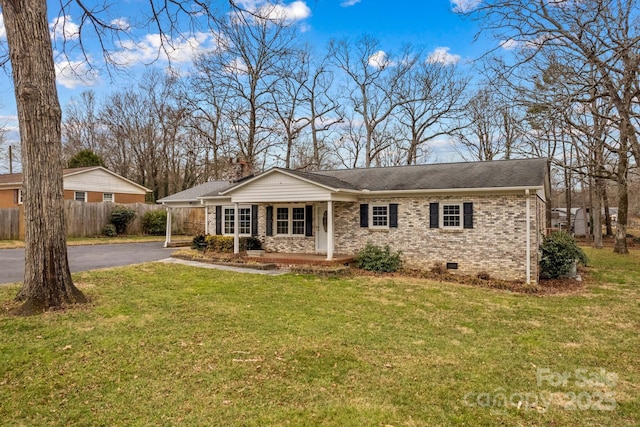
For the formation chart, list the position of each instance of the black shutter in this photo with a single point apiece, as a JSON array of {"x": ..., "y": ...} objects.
[
  {"x": 393, "y": 215},
  {"x": 269, "y": 221},
  {"x": 254, "y": 220},
  {"x": 308, "y": 221},
  {"x": 434, "y": 215},
  {"x": 467, "y": 208},
  {"x": 218, "y": 220},
  {"x": 364, "y": 215}
]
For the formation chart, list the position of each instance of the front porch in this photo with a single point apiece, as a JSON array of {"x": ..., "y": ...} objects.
[{"x": 283, "y": 258}]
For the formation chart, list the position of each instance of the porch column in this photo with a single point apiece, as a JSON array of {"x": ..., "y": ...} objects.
[
  {"x": 329, "y": 230},
  {"x": 236, "y": 230},
  {"x": 206, "y": 219},
  {"x": 167, "y": 239}
]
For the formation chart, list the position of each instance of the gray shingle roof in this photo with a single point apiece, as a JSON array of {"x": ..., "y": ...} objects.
[
  {"x": 442, "y": 176},
  {"x": 325, "y": 178},
  {"x": 192, "y": 194},
  {"x": 16, "y": 178}
]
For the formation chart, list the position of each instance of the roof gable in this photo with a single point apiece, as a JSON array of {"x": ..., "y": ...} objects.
[{"x": 16, "y": 179}]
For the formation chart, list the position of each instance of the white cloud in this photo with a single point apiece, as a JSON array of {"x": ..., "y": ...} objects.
[
  {"x": 72, "y": 74},
  {"x": 348, "y": 3},
  {"x": 292, "y": 12},
  {"x": 3, "y": 31},
  {"x": 379, "y": 59},
  {"x": 464, "y": 6},
  {"x": 152, "y": 48},
  {"x": 510, "y": 44},
  {"x": 63, "y": 28},
  {"x": 121, "y": 24},
  {"x": 441, "y": 55},
  {"x": 237, "y": 66}
]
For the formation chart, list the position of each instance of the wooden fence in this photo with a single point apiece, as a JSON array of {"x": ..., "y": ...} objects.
[
  {"x": 10, "y": 224},
  {"x": 89, "y": 219}
]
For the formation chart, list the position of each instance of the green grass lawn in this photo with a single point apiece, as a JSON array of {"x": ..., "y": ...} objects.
[{"x": 168, "y": 344}]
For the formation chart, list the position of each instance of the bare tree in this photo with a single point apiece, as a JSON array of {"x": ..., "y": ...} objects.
[
  {"x": 47, "y": 280},
  {"x": 81, "y": 128},
  {"x": 601, "y": 35},
  {"x": 323, "y": 109},
  {"x": 247, "y": 64},
  {"x": 435, "y": 92},
  {"x": 373, "y": 84}
]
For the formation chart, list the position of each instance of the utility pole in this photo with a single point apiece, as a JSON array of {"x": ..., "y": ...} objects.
[{"x": 10, "y": 159}]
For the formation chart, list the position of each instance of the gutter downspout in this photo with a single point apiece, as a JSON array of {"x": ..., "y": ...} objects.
[
  {"x": 528, "y": 231},
  {"x": 167, "y": 239},
  {"x": 206, "y": 219}
]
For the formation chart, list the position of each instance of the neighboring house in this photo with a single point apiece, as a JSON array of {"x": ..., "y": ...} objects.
[
  {"x": 89, "y": 184},
  {"x": 470, "y": 217}
]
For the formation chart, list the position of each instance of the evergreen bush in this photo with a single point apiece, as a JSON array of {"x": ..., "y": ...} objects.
[
  {"x": 560, "y": 253},
  {"x": 154, "y": 222},
  {"x": 375, "y": 258},
  {"x": 109, "y": 230},
  {"x": 121, "y": 217}
]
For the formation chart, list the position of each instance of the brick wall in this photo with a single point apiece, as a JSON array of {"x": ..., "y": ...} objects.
[{"x": 496, "y": 244}]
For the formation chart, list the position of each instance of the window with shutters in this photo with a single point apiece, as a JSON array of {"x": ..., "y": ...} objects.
[
  {"x": 244, "y": 220},
  {"x": 290, "y": 220},
  {"x": 452, "y": 215},
  {"x": 379, "y": 216},
  {"x": 80, "y": 196}
]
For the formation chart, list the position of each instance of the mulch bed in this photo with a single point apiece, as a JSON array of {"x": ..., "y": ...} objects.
[{"x": 543, "y": 287}]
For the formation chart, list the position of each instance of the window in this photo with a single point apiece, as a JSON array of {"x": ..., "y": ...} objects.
[
  {"x": 20, "y": 197},
  {"x": 291, "y": 220},
  {"x": 451, "y": 216},
  {"x": 244, "y": 220},
  {"x": 80, "y": 196},
  {"x": 107, "y": 197},
  {"x": 282, "y": 221},
  {"x": 380, "y": 216},
  {"x": 297, "y": 221}
]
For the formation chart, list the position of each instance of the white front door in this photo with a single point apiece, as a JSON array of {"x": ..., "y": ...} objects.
[{"x": 321, "y": 227}]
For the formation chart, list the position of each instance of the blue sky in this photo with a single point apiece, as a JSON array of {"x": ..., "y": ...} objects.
[{"x": 430, "y": 25}]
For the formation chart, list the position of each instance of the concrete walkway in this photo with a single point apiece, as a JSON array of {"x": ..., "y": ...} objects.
[{"x": 223, "y": 267}]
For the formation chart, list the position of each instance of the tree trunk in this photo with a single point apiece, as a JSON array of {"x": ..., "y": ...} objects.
[
  {"x": 620, "y": 246},
  {"x": 47, "y": 281},
  {"x": 607, "y": 213},
  {"x": 597, "y": 216}
]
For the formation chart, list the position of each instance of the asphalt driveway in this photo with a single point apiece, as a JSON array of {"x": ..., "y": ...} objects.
[{"x": 83, "y": 258}]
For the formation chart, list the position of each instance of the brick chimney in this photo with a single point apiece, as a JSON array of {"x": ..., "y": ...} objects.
[{"x": 239, "y": 169}]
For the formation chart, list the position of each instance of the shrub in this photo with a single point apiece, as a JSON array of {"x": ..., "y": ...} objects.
[
  {"x": 109, "y": 230},
  {"x": 439, "y": 269},
  {"x": 199, "y": 242},
  {"x": 121, "y": 217},
  {"x": 250, "y": 243},
  {"x": 154, "y": 222},
  {"x": 559, "y": 253},
  {"x": 483, "y": 275},
  {"x": 219, "y": 244},
  {"x": 375, "y": 258}
]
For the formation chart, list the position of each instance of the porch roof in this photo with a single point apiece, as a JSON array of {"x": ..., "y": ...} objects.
[{"x": 193, "y": 195}]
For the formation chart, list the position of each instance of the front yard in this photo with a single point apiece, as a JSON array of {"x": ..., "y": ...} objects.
[{"x": 169, "y": 344}]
